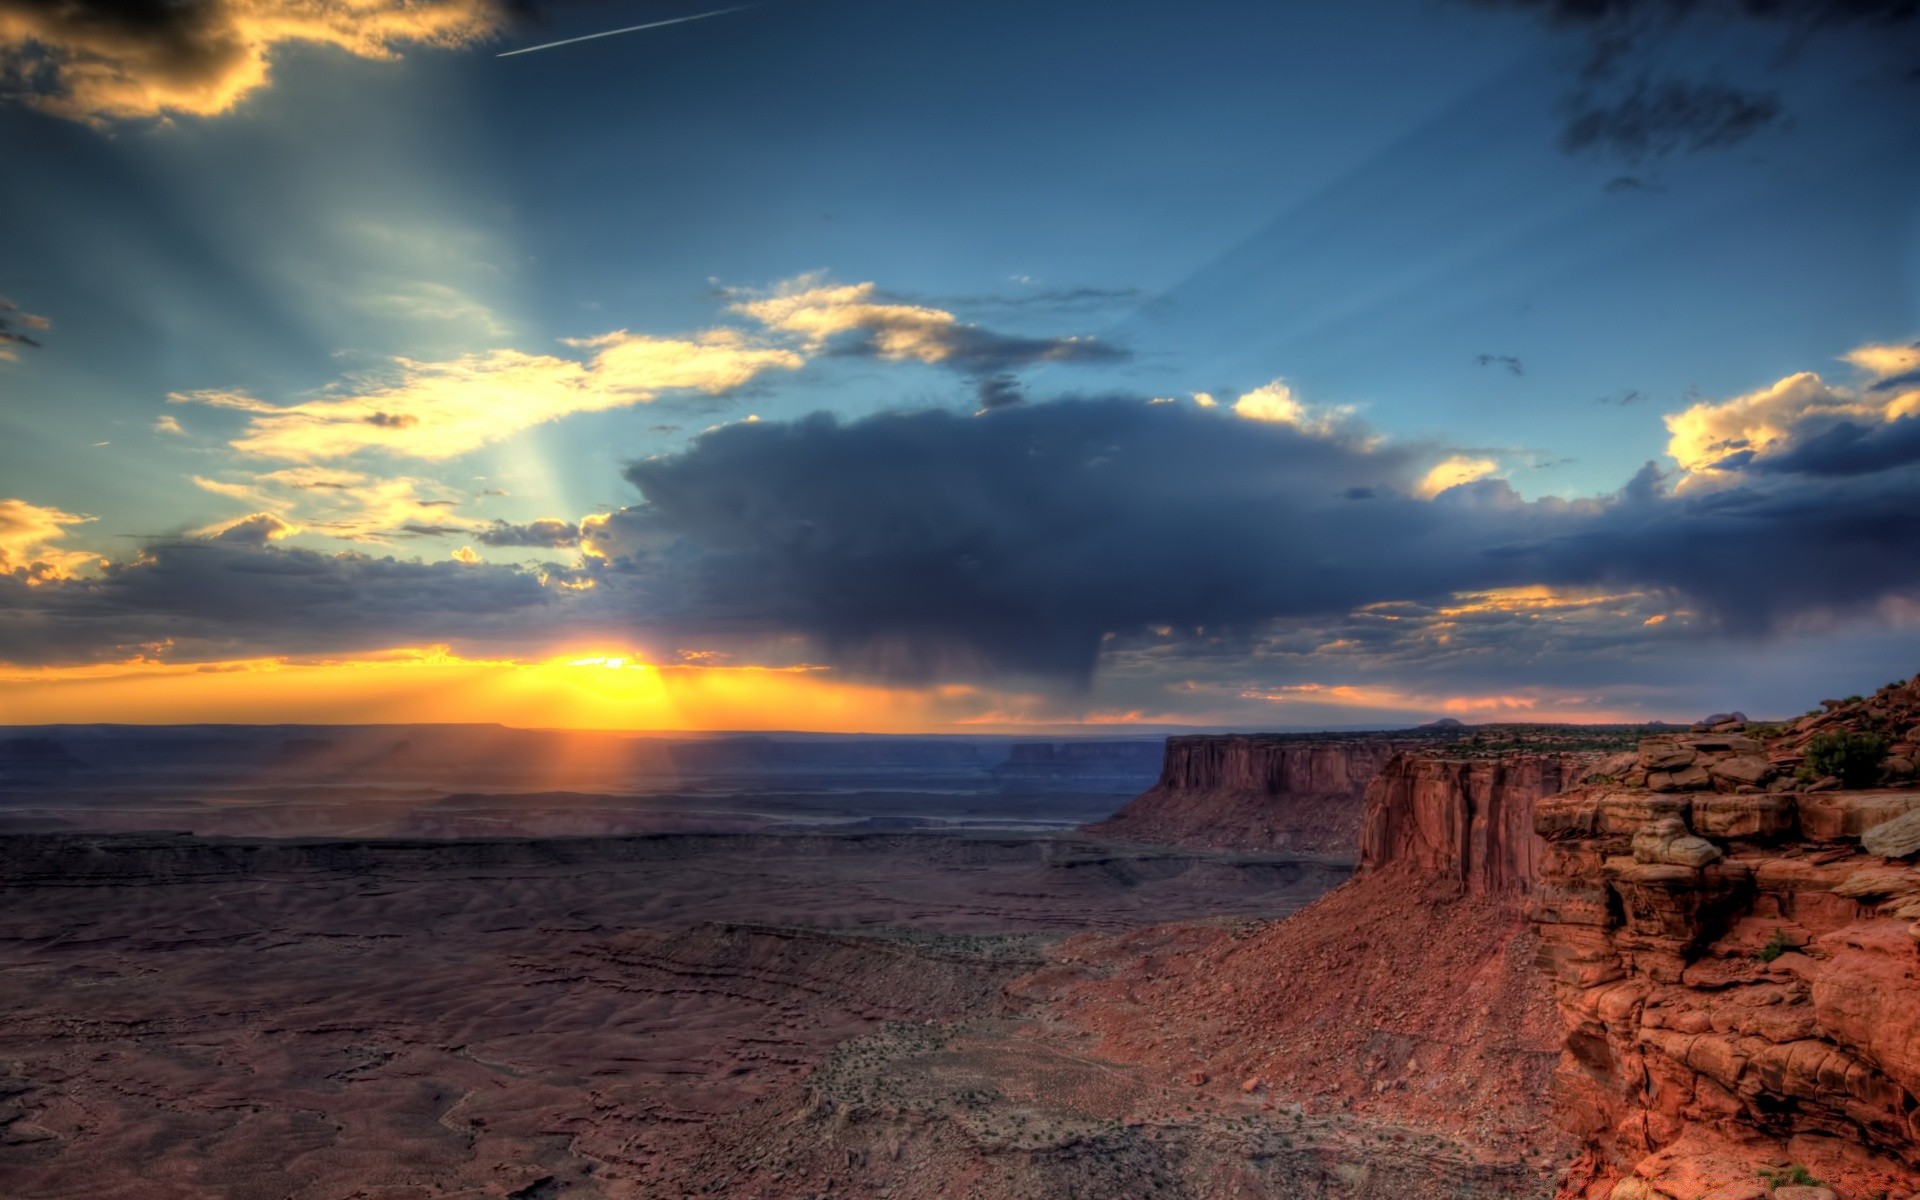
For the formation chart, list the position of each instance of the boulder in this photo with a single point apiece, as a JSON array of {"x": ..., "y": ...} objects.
[
  {"x": 1898, "y": 838},
  {"x": 1666, "y": 840},
  {"x": 1744, "y": 769},
  {"x": 1690, "y": 778},
  {"x": 1657, "y": 754}
]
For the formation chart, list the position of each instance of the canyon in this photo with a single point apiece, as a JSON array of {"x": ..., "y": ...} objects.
[{"x": 1586, "y": 964}]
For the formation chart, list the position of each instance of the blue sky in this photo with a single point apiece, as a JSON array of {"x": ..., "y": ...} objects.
[{"x": 1371, "y": 206}]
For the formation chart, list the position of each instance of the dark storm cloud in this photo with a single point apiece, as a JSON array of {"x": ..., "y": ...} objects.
[
  {"x": 235, "y": 596},
  {"x": 545, "y": 532},
  {"x": 1846, "y": 448},
  {"x": 927, "y": 545}
]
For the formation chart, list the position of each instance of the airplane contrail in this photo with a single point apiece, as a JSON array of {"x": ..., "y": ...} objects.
[{"x": 587, "y": 37}]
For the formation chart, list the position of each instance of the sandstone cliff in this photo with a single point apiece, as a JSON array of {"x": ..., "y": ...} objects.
[
  {"x": 1407, "y": 998},
  {"x": 1466, "y": 821},
  {"x": 1735, "y": 954},
  {"x": 1247, "y": 792}
]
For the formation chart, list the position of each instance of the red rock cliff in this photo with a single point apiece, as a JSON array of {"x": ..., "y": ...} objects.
[
  {"x": 1246, "y": 792},
  {"x": 1465, "y": 821},
  {"x": 1736, "y": 960}
]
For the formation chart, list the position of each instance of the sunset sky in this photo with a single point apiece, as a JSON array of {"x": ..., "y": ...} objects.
[{"x": 891, "y": 365}]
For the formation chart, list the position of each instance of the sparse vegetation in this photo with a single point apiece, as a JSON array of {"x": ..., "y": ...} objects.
[
  {"x": 1791, "y": 1176},
  {"x": 1852, "y": 758},
  {"x": 1775, "y": 947}
]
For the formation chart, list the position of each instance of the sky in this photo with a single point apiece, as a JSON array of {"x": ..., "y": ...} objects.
[{"x": 898, "y": 366}]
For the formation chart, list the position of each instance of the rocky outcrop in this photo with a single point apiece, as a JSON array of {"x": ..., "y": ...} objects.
[
  {"x": 1736, "y": 968},
  {"x": 1464, "y": 821},
  {"x": 1247, "y": 792}
]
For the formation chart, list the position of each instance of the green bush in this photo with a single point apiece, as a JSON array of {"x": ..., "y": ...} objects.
[
  {"x": 1852, "y": 758},
  {"x": 1775, "y": 947},
  {"x": 1795, "y": 1176}
]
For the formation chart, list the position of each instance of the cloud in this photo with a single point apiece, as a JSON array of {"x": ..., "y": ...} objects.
[
  {"x": 443, "y": 409},
  {"x": 852, "y": 319},
  {"x": 929, "y": 545},
  {"x": 245, "y": 596},
  {"x": 167, "y": 423},
  {"x": 110, "y": 60},
  {"x": 547, "y": 532},
  {"x": 1452, "y": 472},
  {"x": 439, "y": 410},
  {"x": 1512, "y": 364},
  {"x": 27, "y": 534},
  {"x": 255, "y": 529},
  {"x": 15, "y": 324},
  {"x": 1804, "y": 425},
  {"x": 1275, "y": 403},
  {"x": 1658, "y": 118},
  {"x": 1626, "y": 103},
  {"x": 349, "y": 505},
  {"x": 1045, "y": 541}
]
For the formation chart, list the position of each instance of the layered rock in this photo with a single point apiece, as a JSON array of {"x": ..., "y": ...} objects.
[
  {"x": 1737, "y": 973},
  {"x": 1464, "y": 821},
  {"x": 1243, "y": 792}
]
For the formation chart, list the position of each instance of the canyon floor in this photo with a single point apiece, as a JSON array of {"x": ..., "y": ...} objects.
[{"x": 762, "y": 1016}]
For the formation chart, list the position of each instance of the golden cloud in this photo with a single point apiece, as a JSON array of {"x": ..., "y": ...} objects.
[
  {"x": 1711, "y": 440},
  {"x": 27, "y": 532},
  {"x": 347, "y": 505},
  {"x": 439, "y": 410},
  {"x": 819, "y": 312},
  {"x": 1452, "y": 472},
  {"x": 96, "y": 62}
]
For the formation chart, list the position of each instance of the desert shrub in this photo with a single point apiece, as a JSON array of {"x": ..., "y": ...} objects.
[
  {"x": 1852, "y": 758},
  {"x": 1793, "y": 1176},
  {"x": 1775, "y": 947}
]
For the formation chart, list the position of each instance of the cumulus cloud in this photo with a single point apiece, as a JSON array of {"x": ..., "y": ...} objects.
[
  {"x": 27, "y": 534},
  {"x": 1805, "y": 425},
  {"x": 108, "y": 60},
  {"x": 926, "y": 545},
  {"x": 439, "y": 410},
  {"x": 1275, "y": 402},
  {"x": 17, "y": 328}
]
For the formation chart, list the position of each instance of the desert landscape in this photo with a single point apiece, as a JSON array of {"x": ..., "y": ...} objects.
[{"x": 1610, "y": 962}]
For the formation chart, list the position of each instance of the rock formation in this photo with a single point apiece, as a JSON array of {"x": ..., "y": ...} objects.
[
  {"x": 1408, "y": 997},
  {"x": 1462, "y": 820},
  {"x": 1244, "y": 792},
  {"x": 1733, "y": 939}
]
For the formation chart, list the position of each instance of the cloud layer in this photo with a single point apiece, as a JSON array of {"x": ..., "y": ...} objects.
[{"x": 1251, "y": 550}]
